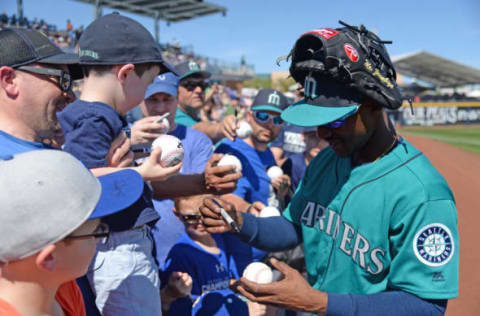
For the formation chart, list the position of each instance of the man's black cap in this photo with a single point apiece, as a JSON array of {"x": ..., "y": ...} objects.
[
  {"x": 270, "y": 100},
  {"x": 190, "y": 68},
  {"x": 114, "y": 39},
  {"x": 20, "y": 47}
]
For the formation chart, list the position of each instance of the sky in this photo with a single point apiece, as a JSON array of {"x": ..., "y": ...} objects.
[{"x": 263, "y": 30}]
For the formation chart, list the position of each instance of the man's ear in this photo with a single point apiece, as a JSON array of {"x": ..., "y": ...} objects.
[
  {"x": 8, "y": 82},
  {"x": 176, "y": 213},
  {"x": 46, "y": 258},
  {"x": 124, "y": 71}
]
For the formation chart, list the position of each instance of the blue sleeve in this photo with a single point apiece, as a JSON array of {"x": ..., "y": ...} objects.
[
  {"x": 394, "y": 303},
  {"x": 203, "y": 154},
  {"x": 174, "y": 262},
  {"x": 90, "y": 141},
  {"x": 257, "y": 232}
]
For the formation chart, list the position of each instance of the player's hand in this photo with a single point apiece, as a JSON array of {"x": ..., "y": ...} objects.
[
  {"x": 151, "y": 170},
  {"x": 145, "y": 130},
  {"x": 229, "y": 127},
  {"x": 120, "y": 155},
  {"x": 256, "y": 208},
  {"x": 213, "y": 221},
  {"x": 220, "y": 179},
  {"x": 281, "y": 185},
  {"x": 292, "y": 291},
  {"x": 179, "y": 285}
]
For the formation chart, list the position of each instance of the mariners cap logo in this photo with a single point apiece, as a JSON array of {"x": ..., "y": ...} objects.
[
  {"x": 193, "y": 66},
  {"x": 433, "y": 245},
  {"x": 274, "y": 98},
  {"x": 310, "y": 87}
]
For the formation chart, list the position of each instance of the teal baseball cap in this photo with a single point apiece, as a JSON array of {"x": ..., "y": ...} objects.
[
  {"x": 270, "y": 100},
  {"x": 325, "y": 101},
  {"x": 190, "y": 68}
]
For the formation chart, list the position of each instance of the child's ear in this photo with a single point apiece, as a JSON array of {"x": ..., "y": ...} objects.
[
  {"x": 46, "y": 258},
  {"x": 124, "y": 71}
]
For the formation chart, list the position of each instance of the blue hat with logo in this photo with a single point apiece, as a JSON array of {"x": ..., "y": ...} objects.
[
  {"x": 270, "y": 100},
  {"x": 164, "y": 83},
  {"x": 191, "y": 68},
  {"x": 325, "y": 101}
]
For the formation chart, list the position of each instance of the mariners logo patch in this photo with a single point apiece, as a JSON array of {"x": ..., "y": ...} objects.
[{"x": 433, "y": 245}]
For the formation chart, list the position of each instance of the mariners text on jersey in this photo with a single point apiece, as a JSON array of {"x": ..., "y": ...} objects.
[{"x": 353, "y": 243}]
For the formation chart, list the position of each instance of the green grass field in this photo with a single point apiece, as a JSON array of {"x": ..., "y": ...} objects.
[{"x": 467, "y": 138}]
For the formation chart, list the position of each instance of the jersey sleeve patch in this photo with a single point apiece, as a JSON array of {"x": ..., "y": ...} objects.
[{"x": 433, "y": 245}]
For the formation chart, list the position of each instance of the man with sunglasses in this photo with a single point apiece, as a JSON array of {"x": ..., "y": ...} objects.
[
  {"x": 378, "y": 221},
  {"x": 35, "y": 80},
  {"x": 256, "y": 157},
  {"x": 191, "y": 99}
]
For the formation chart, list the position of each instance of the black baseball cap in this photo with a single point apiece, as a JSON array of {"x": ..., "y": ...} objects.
[
  {"x": 190, "y": 68},
  {"x": 325, "y": 101},
  {"x": 21, "y": 47},
  {"x": 114, "y": 39},
  {"x": 270, "y": 100}
]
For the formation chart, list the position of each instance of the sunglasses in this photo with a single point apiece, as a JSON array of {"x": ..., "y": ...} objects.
[
  {"x": 64, "y": 80},
  {"x": 190, "y": 85},
  {"x": 264, "y": 117},
  {"x": 102, "y": 231},
  {"x": 341, "y": 121},
  {"x": 191, "y": 218}
]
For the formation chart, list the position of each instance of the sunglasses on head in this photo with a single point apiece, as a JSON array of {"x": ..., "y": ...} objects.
[
  {"x": 264, "y": 117},
  {"x": 191, "y": 84},
  {"x": 191, "y": 218},
  {"x": 341, "y": 121},
  {"x": 64, "y": 79}
]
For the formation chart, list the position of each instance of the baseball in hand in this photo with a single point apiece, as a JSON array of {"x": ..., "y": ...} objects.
[
  {"x": 166, "y": 125},
  {"x": 244, "y": 129},
  {"x": 172, "y": 150},
  {"x": 258, "y": 272},
  {"x": 269, "y": 211},
  {"x": 274, "y": 172},
  {"x": 231, "y": 160}
]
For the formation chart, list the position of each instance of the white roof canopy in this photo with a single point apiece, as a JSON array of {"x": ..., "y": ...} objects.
[{"x": 439, "y": 71}]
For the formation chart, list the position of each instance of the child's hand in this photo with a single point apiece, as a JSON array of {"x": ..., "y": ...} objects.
[
  {"x": 151, "y": 170},
  {"x": 179, "y": 284}
]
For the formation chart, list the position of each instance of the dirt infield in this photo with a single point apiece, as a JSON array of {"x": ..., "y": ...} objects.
[{"x": 461, "y": 169}]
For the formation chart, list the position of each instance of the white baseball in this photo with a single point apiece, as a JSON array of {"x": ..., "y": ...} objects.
[
  {"x": 258, "y": 272},
  {"x": 172, "y": 150},
  {"x": 230, "y": 160},
  {"x": 274, "y": 172},
  {"x": 166, "y": 125},
  {"x": 269, "y": 211},
  {"x": 244, "y": 129}
]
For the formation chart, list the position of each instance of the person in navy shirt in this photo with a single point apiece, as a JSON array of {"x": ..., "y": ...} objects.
[
  {"x": 204, "y": 257},
  {"x": 160, "y": 99}
]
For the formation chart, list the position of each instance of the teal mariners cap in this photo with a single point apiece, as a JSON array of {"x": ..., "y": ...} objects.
[
  {"x": 270, "y": 100},
  {"x": 325, "y": 101},
  {"x": 190, "y": 68}
]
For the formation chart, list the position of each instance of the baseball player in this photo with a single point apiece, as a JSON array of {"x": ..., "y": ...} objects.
[{"x": 378, "y": 222}]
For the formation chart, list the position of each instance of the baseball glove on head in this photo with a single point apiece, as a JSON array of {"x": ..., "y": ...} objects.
[{"x": 350, "y": 56}]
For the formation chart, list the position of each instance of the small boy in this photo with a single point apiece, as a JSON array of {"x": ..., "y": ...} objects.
[
  {"x": 51, "y": 205},
  {"x": 120, "y": 59},
  {"x": 203, "y": 256}
]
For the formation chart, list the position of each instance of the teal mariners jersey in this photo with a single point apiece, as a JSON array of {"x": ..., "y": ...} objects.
[{"x": 386, "y": 225}]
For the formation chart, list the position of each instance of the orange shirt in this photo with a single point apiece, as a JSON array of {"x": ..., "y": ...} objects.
[
  {"x": 68, "y": 296},
  {"x": 70, "y": 299}
]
